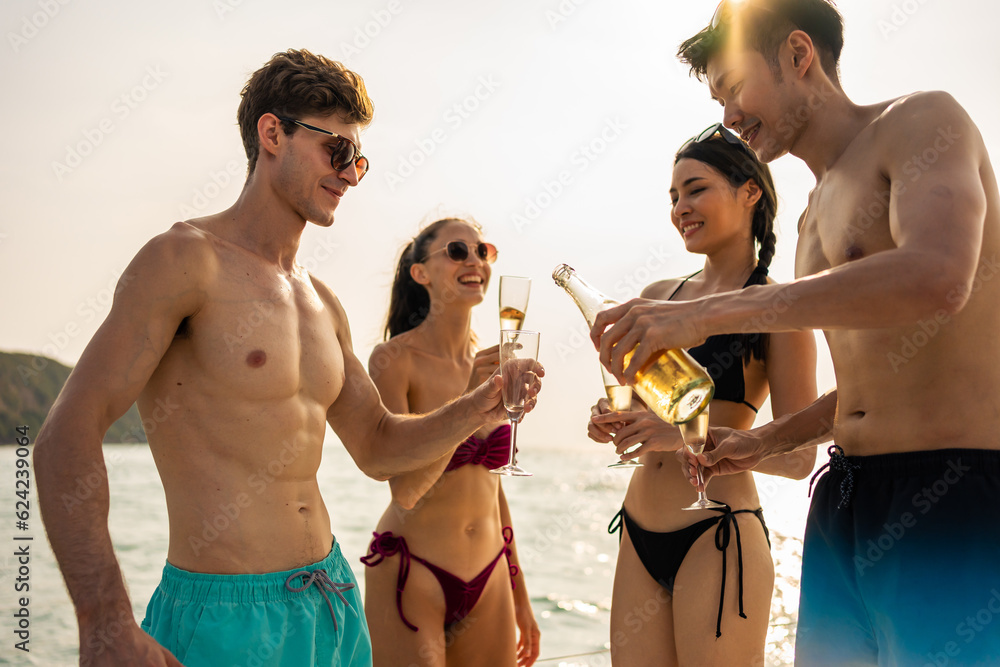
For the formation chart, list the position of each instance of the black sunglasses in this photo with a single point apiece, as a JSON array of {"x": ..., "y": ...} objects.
[
  {"x": 345, "y": 152},
  {"x": 458, "y": 251},
  {"x": 717, "y": 129}
]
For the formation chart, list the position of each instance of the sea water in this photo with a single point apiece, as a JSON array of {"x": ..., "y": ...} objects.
[{"x": 560, "y": 518}]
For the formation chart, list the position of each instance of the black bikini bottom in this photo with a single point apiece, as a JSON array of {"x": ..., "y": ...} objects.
[{"x": 663, "y": 553}]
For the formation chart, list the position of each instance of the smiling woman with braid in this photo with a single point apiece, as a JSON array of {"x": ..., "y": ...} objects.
[
  {"x": 442, "y": 564},
  {"x": 712, "y": 608}
]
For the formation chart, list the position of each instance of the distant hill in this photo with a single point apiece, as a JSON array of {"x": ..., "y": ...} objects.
[{"x": 29, "y": 385}]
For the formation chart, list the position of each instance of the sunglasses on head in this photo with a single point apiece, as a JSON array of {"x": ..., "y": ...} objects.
[
  {"x": 345, "y": 152},
  {"x": 458, "y": 251},
  {"x": 711, "y": 131}
]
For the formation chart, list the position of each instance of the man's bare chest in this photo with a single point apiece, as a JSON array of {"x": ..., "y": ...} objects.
[
  {"x": 847, "y": 218},
  {"x": 263, "y": 337}
]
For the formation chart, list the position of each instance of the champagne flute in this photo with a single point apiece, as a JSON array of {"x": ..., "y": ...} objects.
[
  {"x": 518, "y": 351},
  {"x": 695, "y": 433},
  {"x": 620, "y": 397},
  {"x": 514, "y": 292}
]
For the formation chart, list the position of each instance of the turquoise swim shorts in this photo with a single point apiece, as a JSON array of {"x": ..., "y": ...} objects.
[{"x": 311, "y": 615}]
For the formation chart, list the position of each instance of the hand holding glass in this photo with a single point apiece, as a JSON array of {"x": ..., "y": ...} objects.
[
  {"x": 620, "y": 397},
  {"x": 518, "y": 351},
  {"x": 695, "y": 434}
]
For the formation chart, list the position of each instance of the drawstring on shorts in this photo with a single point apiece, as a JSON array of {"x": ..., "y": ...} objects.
[
  {"x": 323, "y": 583},
  {"x": 839, "y": 463}
]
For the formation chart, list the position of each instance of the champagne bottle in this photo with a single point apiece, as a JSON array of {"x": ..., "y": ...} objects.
[{"x": 674, "y": 386}]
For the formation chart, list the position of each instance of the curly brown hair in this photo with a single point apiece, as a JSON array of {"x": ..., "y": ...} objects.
[{"x": 299, "y": 83}]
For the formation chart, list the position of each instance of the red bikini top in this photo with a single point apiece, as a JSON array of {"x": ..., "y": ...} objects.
[{"x": 492, "y": 451}]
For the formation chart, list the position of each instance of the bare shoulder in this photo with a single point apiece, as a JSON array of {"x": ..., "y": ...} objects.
[
  {"x": 178, "y": 264},
  {"x": 393, "y": 357},
  {"x": 661, "y": 289},
  {"x": 183, "y": 248},
  {"x": 331, "y": 301},
  {"x": 925, "y": 121},
  {"x": 168, "y": 280},
  {"x": 921, "y": 102}
]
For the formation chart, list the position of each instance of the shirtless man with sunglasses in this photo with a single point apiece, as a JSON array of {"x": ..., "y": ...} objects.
[
  {"x": 897, "y": 263},
  {"x": 236, "y": 413}
]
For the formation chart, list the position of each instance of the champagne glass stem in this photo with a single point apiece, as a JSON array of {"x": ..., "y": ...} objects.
[
  {"x": 513, "y": 440},
  {"x": 701, "y": 485}
]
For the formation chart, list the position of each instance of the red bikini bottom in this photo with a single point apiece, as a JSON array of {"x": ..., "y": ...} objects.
[{"x": 459, "y": 596}]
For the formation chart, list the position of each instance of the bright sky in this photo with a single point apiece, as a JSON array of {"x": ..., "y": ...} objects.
[{"x": 551, "y": 122}]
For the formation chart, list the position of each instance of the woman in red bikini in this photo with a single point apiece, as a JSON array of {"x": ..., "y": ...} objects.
[
  {"x": 442, "y": 585},
  {"x": 711, "y": 608}
]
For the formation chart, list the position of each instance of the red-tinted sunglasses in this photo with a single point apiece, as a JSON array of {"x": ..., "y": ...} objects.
[{"x": 458, "y": 251}]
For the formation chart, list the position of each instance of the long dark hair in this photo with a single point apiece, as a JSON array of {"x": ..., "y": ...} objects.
[
  {"x": 410, "y": 303},
  {"x": 738, "y": 164}
]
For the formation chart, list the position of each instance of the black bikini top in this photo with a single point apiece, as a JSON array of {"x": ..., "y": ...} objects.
[{"x": 723, "y": 355}]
